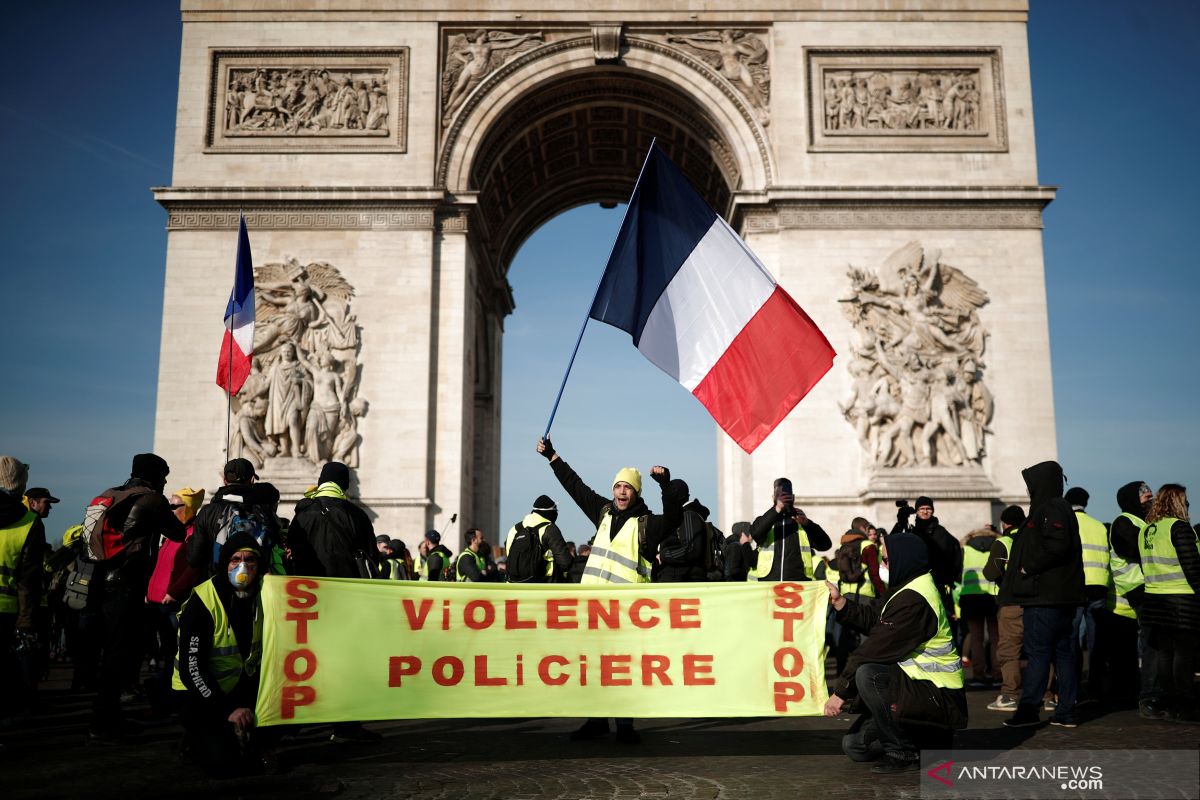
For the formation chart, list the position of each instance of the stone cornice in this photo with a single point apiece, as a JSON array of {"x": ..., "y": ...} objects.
[{"x": 271, "y": 194}]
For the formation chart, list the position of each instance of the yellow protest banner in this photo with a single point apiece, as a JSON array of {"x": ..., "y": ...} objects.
[{"x": 338, "y": 649}]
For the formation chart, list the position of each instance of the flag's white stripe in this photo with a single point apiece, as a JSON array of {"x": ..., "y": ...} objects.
[
  {"x": 705, "y": 306},
  {"x": 244, "y": 336}
]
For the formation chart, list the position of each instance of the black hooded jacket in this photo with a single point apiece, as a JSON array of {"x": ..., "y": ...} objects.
[
  {"x": 28, "y": 569},
  {"x": 1123, "y": 534},
  {"x": 1045, "y": 567},
  {"x": 787, "y": 565},
  {"x": 683, "y": 554},
  {"x": 945, "y": 553}
]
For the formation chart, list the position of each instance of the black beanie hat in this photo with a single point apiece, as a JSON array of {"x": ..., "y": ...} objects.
[
  {"x": 149, "y": 467},
  {"x": 383, "y": 539},
  {"x": 1077, "y": 496},
  {"x": 337, "y": 472},
  {"x": 1013, "y": 515},
  {"x": 241, "y": 541},
  {"x": 679, "y": 489},
  {"x": 434, "y": 537},
  {"x": 924, "y": 501},
  {"x": 545, "y": 506}
]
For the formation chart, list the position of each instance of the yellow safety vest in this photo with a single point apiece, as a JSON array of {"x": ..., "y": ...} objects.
[
  {"x": 12, "y": 542},
  {"x": 446, "y": 556},
  {"x": 617, "y": 559},
  {"x": 866, "y": 588},
  {"x": 1160, "y": 561},
  {"x": 936, "y": 660},
  {"x": 536, "y": 523},
  {"x": 479, "y": 562},
  {"x": 973, "y": 581},
  {"x": 1094, "y": 539},
  {"x": 766, "y": 556},
  {"x": 226, "y": 658},
  {"x": 1123, "y": 576}
]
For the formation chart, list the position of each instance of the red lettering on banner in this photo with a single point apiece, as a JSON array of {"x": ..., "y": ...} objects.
[
  {"x": 797, "y": 659},
  {"x": 544, "y": 670},
  {"x": 310, "y": 665},
  {"x": 789, "y": 619},
  {"x": 697, "y": 670},
  {"x": 788, "y": 595},
  {"x": 297, "y": 596},
  {"x": 612, "y": 668},
  {"x": 440, "y": 676},
  {"x": 635, "y": 615},
  {"x": 560, "y": 613},
  {"x": 293, "y": 697},
  {"x": 685, "y": 612},
  {"x": 301, "y": 619},
  {"x": 611, "y": 615},
  {"x": 416, "y": 619},
  {"x": 401, "y": 667},
  {"x": 654, "y": 666},
  {"x": 512, "y": 619},
  {"x": 787, "y": 692},
  {"x": 481, "y": 674},
  {"x": 470, "y": 617}
]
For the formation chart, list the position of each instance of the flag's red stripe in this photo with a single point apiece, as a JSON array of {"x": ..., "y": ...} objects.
[
  {"x": 769, "y": 368},
  {"x": 231, "y": 379}
]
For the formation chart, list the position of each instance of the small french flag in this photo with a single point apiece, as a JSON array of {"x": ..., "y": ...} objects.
[
  {"x": 237, "y": 346},
  {"x": 702, "y": 307}
]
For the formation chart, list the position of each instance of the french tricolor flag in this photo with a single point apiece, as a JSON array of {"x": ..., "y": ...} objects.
[
  {"x": 704, "y": 309},
  {"x": 237, "y": 346}
]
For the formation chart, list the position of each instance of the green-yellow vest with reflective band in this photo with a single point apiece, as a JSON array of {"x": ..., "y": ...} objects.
[
  {"x": 12, "y": 541},
  {"x": 1160, "y": 561},
  {"x": 445, "y": 555},
  {"x": 1094, "y": 538},
  {"x": 1124, "y": 576},
  {"x": 225, "y": 660},
  {"x": 973, "y": 581},
  {"x": 479, "y": 562},
  {"x": 617, "y": 559},
  {"x": 1006, "y": 540},
  {"x": 766, "y": 556},
  {"x": 866, "y": 588},
  {"x": 936, "y": 660},
  {"x": 538, "y": 524},
  {"x": 391, "y": 568}
]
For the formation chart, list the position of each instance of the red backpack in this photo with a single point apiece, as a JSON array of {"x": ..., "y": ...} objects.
[{"x": 103, "y": 522}]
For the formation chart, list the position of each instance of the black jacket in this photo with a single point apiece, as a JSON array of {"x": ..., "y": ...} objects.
[
  {"x": 739, "y": 559},
  {"x": 1123, "y": 534},
  {"x": 658, "y": 526},
  {"x": 787, "y": 564},
  {"x": 1046, "y": 564},
  {"x": 195, "y": 649},
  {"x": 436, "y": 561},
  {"x": 325, "y": 536},
  {"x": 575, "y": 572},
  {"x": 28, "y": 572},
  {"x": 945, "y": 552},
  {"x": 1177, "y": 611},
  {"x": 147, "y": 518},
  {"x": 996, "y": 566},
  {"x": 469, "y": 567},
  {"x": 683, "y": 555}
]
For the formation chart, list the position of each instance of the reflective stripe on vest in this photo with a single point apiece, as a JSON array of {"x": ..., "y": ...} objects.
[
  {"x": 1094, "y": 539},
  {"x": 973, "y": 581},
  {"x": 1124, "y": 577},
  {"x": 538, "y": 524},
  {"x": 866, "y": 588},
  {"x": 12, "y": 542},
  {"x": 1160, "y": 561},
  {"x": 225, "y": 660},
  {"x": 766, "y": 556},
  {"x": 936, "y": 660},
  {"x": 480, "y": 562},
  {"x": 617, "y": 559}
]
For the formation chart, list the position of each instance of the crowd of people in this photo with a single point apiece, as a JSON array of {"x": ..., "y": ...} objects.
[{"x": 1054, "y": 609}]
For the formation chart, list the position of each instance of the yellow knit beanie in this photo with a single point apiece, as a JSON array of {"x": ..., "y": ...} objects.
[{"x": 629, "y": 475}]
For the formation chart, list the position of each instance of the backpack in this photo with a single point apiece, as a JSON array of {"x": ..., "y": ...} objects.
[
  {"x": 75, "y": 595},
  {"x": 239, "y": 516},
  {"x": 848, "y": 561},
  {"x": 103, "y": 520},
  {"x": 527, "y": 555}
]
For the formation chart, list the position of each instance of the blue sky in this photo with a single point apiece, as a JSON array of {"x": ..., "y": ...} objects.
[{"x": 89, "y": 127}]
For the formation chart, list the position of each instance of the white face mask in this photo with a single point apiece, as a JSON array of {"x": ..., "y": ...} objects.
[{"x": 884, "y": 573}]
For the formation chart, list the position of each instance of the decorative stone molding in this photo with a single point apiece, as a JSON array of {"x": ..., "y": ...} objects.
[
  {"x": 948, "y": 216},
  {"x": 472, "y": 56},
  {"x": 453, "y": 220},
  {"x": 606, "y": 43},
  {"x": 301, "y": 100},
  {"x": 906, "y": 99},
  {"x": 394, "y": 218}
]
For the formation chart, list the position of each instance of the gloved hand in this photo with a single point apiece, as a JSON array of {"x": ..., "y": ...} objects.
[
  {"x": 904, "y": 513},
  {"x": 546, "y": 449},
  {"x": 661, "y": 475}
]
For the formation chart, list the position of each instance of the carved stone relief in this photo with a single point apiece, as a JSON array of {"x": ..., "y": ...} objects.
[
  {"x": 904, "y": 100},
  {"x": 301, "y": 399},
  {"x": 740, "y": 57},
  {"x": 323, "y": 99},
  {"x": 471, "y": 57},
  {"x": 918, "y": 398}
]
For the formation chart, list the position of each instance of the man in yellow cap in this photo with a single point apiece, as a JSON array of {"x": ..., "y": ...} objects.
[{"x": 627, "y": 539}]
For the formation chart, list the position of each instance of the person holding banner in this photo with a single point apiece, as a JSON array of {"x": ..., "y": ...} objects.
[
  {"x": 906, "y": 674},
  {"x": 626, "y": 543}
]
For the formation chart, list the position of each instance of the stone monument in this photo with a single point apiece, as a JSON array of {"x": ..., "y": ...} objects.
[{"x": 879, "y": 160}]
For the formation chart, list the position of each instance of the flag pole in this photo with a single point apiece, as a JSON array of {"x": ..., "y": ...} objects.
[
  {"x": 588, "y": 315},
  {"x": 229, "y": 353}
]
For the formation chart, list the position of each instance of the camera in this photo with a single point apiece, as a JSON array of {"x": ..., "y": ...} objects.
[{"x": 901, "y": 503}]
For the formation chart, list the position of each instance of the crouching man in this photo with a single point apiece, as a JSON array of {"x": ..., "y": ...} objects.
[
  {"x": 906, "y": 675},
  {"x": 216, "y": 670}
]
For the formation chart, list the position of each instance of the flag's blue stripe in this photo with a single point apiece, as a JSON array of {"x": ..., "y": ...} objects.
[
  {"x": 241, "y": 299},
  {"x": 665, "y": 221}
]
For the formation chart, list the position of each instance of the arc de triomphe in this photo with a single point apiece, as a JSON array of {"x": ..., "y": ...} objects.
[{"x": 391, "y": 156}]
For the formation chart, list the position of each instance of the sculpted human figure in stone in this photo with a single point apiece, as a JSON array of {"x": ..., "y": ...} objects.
[
  {"x": 300, "y": 303},
  {"x": 736, "y": 52},
  {"x": 328, "y": 404},
  {"x": 249, "y": 436},
  {"x": 901, "y": 99},
  {"x": 944, "y": 399},
  {"x": 291, "y": 393},
  {"x": 299, "y": 100},
  {"x": 474, "y": 58}
]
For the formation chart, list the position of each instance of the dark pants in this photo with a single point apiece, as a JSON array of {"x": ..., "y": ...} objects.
[
  {"x": 1151, "y": 686},
  {"x": 211, "y": 741},
  {"x": 124, "y": 640},
  {"x": 876, "y": 733},
  {"x": 14, "y": 692},
  {"x": 1049, "y": 640},
  {"x": 1113, "y": 674},
  {"x": 1176, "y": 664}
]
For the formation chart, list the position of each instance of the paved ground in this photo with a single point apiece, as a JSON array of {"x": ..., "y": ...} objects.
[{"x": 726, "y": 759}]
